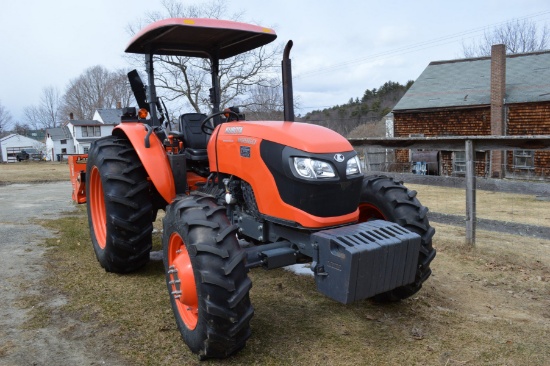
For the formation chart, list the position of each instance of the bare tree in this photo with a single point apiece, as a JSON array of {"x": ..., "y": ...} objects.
[
  {"x": 119, "y": 89},
  {"x": 189, "y": 78},
  {"x": 51, "y": 103},
  {"x": 519, "y": 36},
  {"x": 21, "y": 128},
  {"x": 5, "y": 119},
  {"x": 34, "y": 117},
  {"x": 265, "y": 102},
  {"x": 47, "y": 113},
  {"x": 96, "y": 88}
]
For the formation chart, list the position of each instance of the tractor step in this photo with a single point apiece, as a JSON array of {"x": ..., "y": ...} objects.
[{"x": 359, "y": 261}]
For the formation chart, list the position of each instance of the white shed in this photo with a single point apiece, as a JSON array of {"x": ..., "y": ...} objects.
[{"x": 12, "y": 144}]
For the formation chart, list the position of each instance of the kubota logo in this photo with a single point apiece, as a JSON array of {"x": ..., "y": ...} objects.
[
  {"x": 339, "y": 158},
  {"x": 234, "y": 130}
]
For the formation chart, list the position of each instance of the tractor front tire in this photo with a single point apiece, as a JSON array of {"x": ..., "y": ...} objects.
[
  {"x": 382, "y": 198},
  {"x": 119, "y": 205},
  {"x": 206, "y": 277}
]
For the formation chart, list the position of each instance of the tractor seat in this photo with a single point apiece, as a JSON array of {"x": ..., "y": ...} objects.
[{"x": 194, "y": 140}]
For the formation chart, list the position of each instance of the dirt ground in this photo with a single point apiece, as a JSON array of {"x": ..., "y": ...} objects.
[
  {"x": 488, "y": 305},
  {"x": 63, "y": 341}
]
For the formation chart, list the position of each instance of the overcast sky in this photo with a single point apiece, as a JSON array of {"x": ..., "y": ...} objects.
[{"x": 341, "y": 48}]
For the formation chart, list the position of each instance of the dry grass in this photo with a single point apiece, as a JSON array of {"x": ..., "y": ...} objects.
[
  {"x": 33, "y": 171},
  {"x": 511, "y": 207},
  {"x": 484, "y": 306}
]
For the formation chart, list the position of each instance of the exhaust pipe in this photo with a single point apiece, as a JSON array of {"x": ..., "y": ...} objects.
[{"x": 288, "y": 97}]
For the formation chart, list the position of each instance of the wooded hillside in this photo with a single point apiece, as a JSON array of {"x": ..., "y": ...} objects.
[{"x": 370, "y": 109}]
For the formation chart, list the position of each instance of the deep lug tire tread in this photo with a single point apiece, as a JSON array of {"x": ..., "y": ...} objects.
[
  {"x": 221, "y": 278},
  {"x": 128, "y": 205},
  {"x": 400, "y": 205}
]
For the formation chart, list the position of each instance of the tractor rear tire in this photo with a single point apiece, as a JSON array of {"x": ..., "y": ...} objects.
[
  {"x": 119, "y": 205},
  {"x": 206, "y": 277},
  {"x": 385, "y": 199}
]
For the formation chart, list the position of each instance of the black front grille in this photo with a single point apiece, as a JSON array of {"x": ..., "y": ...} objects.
[{"x": 317, "y": 197}]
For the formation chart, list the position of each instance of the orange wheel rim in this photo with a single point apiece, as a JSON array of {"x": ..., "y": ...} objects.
[
  {"x": 97, "y": 208},
  {"x": 370, "y": 212},
  {"x": 182, "y": 281}
]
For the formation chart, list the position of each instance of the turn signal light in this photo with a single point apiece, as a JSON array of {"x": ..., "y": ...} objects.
[{"x": 142, "y": 113}]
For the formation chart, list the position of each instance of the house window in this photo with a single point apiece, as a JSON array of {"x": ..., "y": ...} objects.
[
  {"x": 63, "y": 151},
  {"x": 524, "y": 159},
  {"x": 86, "y": 150},
  {"x": 90, "y": 131},
  {"x": 63, "y": 142},
  {"x": 459, "y": 162}
]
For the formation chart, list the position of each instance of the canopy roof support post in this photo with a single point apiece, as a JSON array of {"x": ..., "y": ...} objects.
[
  {"x": 151, "y": 92},
  {"x": 215, "y": 90}
]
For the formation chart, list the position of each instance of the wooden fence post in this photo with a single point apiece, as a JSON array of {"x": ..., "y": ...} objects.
[{"x": 470, "y": 193}]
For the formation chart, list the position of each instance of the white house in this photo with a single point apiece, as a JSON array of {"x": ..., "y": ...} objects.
[
  {"x": 108, "y": 115},
  {"x": 58, "y": 142},
  {"x": 13, "y": 144},
  {"x": 76, "y": 136},
  {"x": 84, "y": 132}
]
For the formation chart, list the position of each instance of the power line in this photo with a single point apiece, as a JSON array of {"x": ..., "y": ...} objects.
[{"x": 415, "y": 47}]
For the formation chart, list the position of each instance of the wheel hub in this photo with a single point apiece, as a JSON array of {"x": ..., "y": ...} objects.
[
  {"x": 98, "y": 210},
  {"x": 183, "y": 287}
]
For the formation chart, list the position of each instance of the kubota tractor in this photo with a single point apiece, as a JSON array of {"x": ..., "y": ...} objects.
[{"x": 242, "y": 194}]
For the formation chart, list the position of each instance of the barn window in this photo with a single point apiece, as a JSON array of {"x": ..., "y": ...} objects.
[
  {"x": 459, "y": 162},
  {"x": 524, "y": 159}
]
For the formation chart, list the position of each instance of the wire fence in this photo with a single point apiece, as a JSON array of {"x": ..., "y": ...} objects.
[
  {"x": 475, "y": 158},
  {"x": 425, "y": 168},
  {"x": 503, "y": 206},
  {"x": 384, "y": 160}
]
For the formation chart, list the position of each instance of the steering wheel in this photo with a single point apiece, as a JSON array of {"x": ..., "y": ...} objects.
[{"x": 207, "y": 128}]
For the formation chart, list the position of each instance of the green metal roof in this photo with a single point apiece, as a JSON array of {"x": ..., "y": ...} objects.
[{"x": 467, "y": 82}]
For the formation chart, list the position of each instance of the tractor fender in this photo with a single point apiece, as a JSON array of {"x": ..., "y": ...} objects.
[{"x": 154, "y": 158}]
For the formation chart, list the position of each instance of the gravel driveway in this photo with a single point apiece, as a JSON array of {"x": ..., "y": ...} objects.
[{"x": 63, "y": 341}]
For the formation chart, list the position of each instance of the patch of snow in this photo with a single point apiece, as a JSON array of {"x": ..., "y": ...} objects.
[{"x": 300, "y": 269}]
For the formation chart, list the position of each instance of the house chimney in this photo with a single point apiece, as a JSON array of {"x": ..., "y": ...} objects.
[
  {"x": 118, "y": 105},
  {"x": 71, "y": 116},
  {"x": 498, "y": 94}
]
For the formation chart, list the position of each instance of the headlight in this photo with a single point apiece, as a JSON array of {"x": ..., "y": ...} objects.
[
  {"x": 353, "y": 167},
  {"x": 311, "y": 168}
]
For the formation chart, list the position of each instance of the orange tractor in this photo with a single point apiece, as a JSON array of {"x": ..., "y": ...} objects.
[{"x": 242, "y": 194}]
